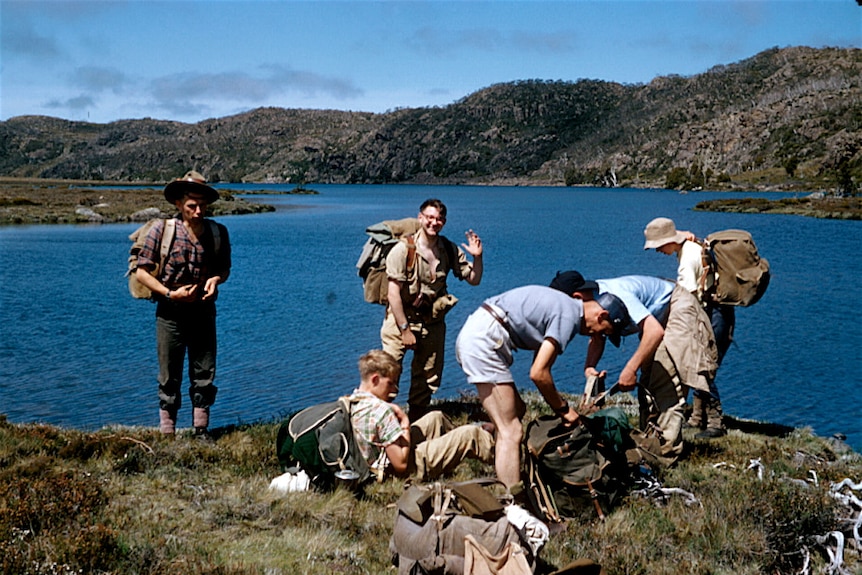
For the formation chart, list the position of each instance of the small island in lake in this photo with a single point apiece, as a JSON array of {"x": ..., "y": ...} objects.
[
  {"x": 69, "y": 202},
  {"x": 815, "y": 206}
]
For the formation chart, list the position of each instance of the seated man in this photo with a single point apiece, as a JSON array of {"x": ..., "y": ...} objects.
[
  {"x": 676, "y": 351},
  {"x": 430, "y": 447}
]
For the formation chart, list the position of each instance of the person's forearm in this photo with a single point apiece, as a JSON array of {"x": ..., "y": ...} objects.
[
  {"x": 396, "y": 306},
  {"x": 151, "y": 283},
  {"x": 595, "y": 350},
  {"x": 653, "y": 333},
  {"x": 475, "y": 276}
]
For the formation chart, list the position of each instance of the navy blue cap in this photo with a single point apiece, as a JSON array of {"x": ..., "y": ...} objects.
[
  {"x": 571, "y": 281},
  {"x": 619, "y": 315}
]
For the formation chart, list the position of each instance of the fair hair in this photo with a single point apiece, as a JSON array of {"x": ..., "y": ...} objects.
[{"x": 379, "y": 362}]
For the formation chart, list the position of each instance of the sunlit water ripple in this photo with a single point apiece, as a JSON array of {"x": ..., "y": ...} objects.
[{"x": 78, "y": 351}]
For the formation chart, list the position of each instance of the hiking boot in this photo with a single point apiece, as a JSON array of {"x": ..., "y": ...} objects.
[
  {"x": 714, "y": 420},
  {"x": 201, "y": 434},
  {"x": 697, "y": 420},
  {"x": 711, "y": 433}
]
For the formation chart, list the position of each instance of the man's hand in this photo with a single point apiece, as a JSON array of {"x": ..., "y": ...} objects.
[
  {"x": 403, "y": 419},
  {"x": 628, "y": 379},
  {"x": 593, "y": 372},
  {"x": 211, "y": 288},
  {"x": 408, "y": 338},
  {"x": 571, "y": 418},
  {"x": 185, "y": 293},
  {"x": 473, "y": 245}
]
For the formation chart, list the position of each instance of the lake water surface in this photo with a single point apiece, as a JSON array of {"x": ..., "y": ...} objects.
[{"x": 77, "y": 351}]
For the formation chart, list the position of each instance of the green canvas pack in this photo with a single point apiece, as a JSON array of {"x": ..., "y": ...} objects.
[
  {"x": 572, "y": 472},
  {"x": 319, "y": 440},
  {"x": 741, "y": 275},
  {"x": 382, "y": 237}
]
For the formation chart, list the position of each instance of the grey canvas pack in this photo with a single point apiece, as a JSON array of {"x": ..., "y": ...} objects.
[
  {"x": 433, "y": 520},
  {"x": 382, "y": 237},
  {"x": 580, "y": 471},
  {"x": 137, "y": 237},
  {"x": 741, "y": 275},
  {"x": 319, "y": 439}
]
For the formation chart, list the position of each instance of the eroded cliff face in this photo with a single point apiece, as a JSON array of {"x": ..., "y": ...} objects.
[{"x": 782, "y": 117}]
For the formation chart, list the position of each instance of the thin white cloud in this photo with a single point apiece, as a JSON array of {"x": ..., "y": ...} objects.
[
  {"x": 182, "y": 92},
  {"x": 75, "y": 104},
  {"x": 99, "y": 79}
]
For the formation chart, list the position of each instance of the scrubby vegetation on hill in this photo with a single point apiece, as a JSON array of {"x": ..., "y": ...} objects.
[
  {"x": 784, "y": 119},
  {"x": 123, "y": 500}
]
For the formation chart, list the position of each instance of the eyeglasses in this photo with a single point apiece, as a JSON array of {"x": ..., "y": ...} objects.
[{"x": 440, "y": 219}]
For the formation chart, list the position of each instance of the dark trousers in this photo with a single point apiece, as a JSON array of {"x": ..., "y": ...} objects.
[{"x": 183, "y": 329}]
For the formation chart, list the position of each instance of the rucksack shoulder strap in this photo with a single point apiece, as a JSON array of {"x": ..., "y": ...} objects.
[
  {"x": 452, "y": 255},
  {"x": 169, "y": 231},
  {"x": 411, "y": 251},
  {"x": 216, "y": 233}
]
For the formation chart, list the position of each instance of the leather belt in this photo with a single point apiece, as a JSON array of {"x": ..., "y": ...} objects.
[{"x": 501, "y": 320}]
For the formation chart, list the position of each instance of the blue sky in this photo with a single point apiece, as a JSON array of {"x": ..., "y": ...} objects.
[{"x": 189, "y": 60}]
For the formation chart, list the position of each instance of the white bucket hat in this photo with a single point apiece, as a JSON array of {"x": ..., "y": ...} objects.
[{"x": 662, "y": 231}]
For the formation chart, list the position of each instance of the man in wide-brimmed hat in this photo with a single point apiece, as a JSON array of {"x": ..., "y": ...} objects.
[{"x": 185, "y": 290}]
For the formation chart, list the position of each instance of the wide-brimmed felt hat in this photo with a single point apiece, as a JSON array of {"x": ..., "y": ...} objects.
[
  {"x": 571, "y": 281},
  {"x": 619, "y": 315},
  {"x": 662, "y": 231},
  {"x": 191, "y": 184}
]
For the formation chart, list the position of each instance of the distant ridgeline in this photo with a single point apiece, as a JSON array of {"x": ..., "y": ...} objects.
[{"x": 783, "y": 119}]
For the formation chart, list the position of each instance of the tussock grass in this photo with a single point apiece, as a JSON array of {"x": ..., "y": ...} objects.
[{"x": 125, "y": 500}]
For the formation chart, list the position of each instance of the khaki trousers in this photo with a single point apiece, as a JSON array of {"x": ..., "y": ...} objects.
[
  {"x": 662, "y": 401},
  {"x": 426, "y": 369},
  {"x": 439, "y": 447}
]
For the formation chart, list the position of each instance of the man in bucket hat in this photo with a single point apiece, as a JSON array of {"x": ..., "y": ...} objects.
[
  {"x": 661, "y": 234},
  {"x": 535, "y": 318},
  {"x": 185, "y": 292}
]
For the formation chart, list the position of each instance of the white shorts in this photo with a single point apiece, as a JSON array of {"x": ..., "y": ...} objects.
[{"x": 484, "y": 349}]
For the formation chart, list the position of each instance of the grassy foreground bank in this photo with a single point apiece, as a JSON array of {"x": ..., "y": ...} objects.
[{"x": 124, "y": 500}]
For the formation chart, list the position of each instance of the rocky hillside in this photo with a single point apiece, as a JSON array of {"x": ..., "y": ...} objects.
[{"x": 785, "y": 118}]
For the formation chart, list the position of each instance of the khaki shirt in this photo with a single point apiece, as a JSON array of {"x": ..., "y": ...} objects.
[{"x": 430, "y": 282}]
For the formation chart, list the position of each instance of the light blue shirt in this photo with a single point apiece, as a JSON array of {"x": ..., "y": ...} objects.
[
  {"x": 537, "y": 312},
  {"x": 642, "y": 295}
]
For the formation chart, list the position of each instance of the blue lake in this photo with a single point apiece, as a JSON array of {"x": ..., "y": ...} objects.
[{"x": 77, "y": 351}]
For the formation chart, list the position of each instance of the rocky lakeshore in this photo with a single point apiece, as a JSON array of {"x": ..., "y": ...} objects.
[
  {"x": 814, "y": 206},
  {"x": 73, "y": 202}
]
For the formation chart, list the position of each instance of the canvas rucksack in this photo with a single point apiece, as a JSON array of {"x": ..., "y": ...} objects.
[
  {"x": 382, "y": 237},
  {"x": 319, "y": 439},
  {"x": 741, "y": 275},
  {"x": 136, "y": 288},
  {"x": 445, "y": 528},
  {"x": 577, "y": 471}
]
